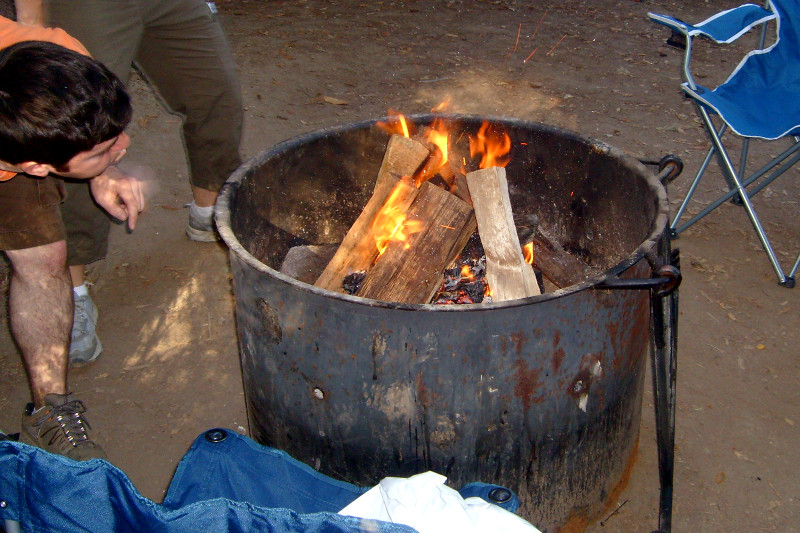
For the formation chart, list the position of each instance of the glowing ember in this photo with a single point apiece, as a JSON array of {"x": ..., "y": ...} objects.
[{"x": 465, "y": 284}]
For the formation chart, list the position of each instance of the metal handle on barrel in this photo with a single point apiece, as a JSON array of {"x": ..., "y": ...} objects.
[{"x": 665, "y": 264}]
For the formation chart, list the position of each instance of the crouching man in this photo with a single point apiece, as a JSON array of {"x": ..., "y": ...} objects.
[{"x": 62, "y": 116}]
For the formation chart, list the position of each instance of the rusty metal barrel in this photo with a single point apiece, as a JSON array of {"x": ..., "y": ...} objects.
[{"x": 541, "y": 395}]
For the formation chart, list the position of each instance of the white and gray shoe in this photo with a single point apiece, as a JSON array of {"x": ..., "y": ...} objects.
[
  {"x": 200, "y": 229},
  {"x": 84, "y": 345}
]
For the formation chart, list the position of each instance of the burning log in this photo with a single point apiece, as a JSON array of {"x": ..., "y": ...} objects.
[
  {"x": 458, "y": 183},
  {"x": 559, "y": 266},
  {"x": 358, "y": 251},
  {"x": 450, "y": 178},
  {"x": 412, "y": 272},
  {"x": 460, "y": 188},
  {"x": 403, "y": 157},
  {"x": 555, "y": 263},
  {"x": 509, "y": 276},
  {"x": 421, "y": 216}
]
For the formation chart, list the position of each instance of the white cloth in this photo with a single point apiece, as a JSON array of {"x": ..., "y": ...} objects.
[{"x": 426, "y": 504}]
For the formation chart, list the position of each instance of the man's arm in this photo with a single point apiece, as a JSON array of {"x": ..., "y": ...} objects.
[
  {"x": 119, "y": 194},
  {"x": 30, "y": 12}
]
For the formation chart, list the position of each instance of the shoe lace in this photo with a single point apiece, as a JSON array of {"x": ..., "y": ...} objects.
[
  {"x": 70, "y": 426},
  {"x": 81, "y": 318}
]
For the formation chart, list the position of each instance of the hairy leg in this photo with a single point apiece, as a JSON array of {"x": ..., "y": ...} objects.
[
  {"x": 78, "y": 274},
  {"x": 40, "y": 313},
  {"x": 204, "y": 197}
]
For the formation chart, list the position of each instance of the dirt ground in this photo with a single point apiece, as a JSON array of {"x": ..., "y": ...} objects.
[{"x": 170, "y": 369}]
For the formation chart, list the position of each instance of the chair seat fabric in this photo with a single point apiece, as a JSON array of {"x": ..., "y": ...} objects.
[{"x": 774, "y": 111}]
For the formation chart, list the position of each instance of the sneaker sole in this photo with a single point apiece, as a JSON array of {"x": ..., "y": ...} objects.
[
  {"x": 77, "y": 363},
  {"x": 198, "y": 235}
]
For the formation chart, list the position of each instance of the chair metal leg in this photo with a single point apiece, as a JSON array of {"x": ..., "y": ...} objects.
[
  {"x": 794, "y": 269},
  {"x": 786, "y": 160},
  {"x": 727, "y": 169},
  {"x": 742, "y": 164},
  {"x": 743, "y": 158},
  {"x": 794, "y": 149},
  {"x": 673, "y": 228}
]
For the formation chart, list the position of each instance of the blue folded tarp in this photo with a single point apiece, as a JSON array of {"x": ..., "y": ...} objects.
[{"x": 225, "y": 482}]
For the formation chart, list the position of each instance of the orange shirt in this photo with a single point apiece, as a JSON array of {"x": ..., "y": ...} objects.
[
  {"x": 6, "y": 175},
  {"x": 12, "y": 32}
]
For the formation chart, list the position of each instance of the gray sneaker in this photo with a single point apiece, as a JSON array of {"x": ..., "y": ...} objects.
[
  {"x": 84, "y": 346},
  {"x": 60, "y": 427},
  {"x": 200, "y": 230}
]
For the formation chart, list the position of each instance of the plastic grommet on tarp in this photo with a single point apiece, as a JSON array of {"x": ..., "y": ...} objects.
[
  {"x": 500, "y": 495},
  {"x": 496, "y": 494},
  {"x": 216, "y": 435}
]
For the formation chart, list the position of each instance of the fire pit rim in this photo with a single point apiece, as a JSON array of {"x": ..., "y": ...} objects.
[{"x": 223, "y": 213}]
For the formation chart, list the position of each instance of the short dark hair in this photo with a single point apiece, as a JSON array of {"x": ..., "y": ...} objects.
[{"x": 56, "y": 103}]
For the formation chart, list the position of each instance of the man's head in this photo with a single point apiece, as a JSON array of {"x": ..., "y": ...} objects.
[{"x": 57, "y": 105}]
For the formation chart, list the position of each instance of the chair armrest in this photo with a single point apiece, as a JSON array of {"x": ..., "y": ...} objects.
[{"x": 724, "y": 27}]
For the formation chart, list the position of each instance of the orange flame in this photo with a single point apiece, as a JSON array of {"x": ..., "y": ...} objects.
[
  {"x": 391, "y": 225},
  {"x": 466, "y": 273},
  {"x": 438, "y": 137},
  {"x": 404, "y": 125},
  {"x": 441, "y": 106},
  {"x": 440, "y": 131},
  {"x": 492, "y": 145},
  {"x": 396, "y": 124},
  {"x": 527, "y": 253}
]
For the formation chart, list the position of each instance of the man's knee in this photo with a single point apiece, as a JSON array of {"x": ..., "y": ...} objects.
[{"x": 46, "y": 260}]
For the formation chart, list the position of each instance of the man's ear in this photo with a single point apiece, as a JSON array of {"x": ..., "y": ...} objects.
[{"x": 36, "y": 169}]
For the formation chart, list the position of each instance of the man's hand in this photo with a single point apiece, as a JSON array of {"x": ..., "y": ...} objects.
[{"x": 119, "y": 194}]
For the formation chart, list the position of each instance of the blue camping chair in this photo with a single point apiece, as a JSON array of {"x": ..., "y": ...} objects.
[
  {"x": 225, "y": 482},
  {"x": 759, "y": 100}
]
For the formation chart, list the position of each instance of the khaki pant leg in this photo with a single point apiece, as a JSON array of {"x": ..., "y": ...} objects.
[
  {"x": 185, "y": 55},
  {"x": 111, "y": 31}
]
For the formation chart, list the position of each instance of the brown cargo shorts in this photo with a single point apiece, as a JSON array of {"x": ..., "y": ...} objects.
[{"x": 30, "y": 213}]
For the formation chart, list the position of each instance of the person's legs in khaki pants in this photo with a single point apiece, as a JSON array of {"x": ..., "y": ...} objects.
[{"x": 182, "y": 51}]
